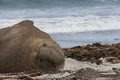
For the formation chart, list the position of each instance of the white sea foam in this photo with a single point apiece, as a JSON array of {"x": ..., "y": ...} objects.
[
  {"x": 70, "y": 23},
  {"x": 63, "y": 20},
  {"x": 79, "y": 24}
]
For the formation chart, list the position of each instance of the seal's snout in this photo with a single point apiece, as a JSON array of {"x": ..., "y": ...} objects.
[
  {"x": 56, "y": 56},
  {"x": 52, "y": 57}
]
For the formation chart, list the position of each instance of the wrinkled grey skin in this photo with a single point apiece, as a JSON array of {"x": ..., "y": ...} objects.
[{"x": 24, "y": 47}]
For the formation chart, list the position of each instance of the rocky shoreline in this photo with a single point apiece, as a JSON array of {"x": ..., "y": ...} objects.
[{"x": 95, "y": 54}]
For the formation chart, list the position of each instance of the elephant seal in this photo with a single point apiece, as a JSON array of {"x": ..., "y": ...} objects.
[{"x": 24, "y": 47}]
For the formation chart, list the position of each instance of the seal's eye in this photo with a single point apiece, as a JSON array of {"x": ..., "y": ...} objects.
[{"x": 44, "y": 45}]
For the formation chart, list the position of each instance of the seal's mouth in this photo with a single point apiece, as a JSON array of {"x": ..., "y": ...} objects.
[{"x": 46, "y": 65}]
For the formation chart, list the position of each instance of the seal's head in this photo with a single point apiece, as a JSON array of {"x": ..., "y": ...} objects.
[
  {"x": 49, "y": 57},
  {"x": 24, "y": 47}
]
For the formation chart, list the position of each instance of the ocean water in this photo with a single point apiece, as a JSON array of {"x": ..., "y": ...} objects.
[
  {"x": 67, "y": 40},
  {"x": 63, "y": 16}
]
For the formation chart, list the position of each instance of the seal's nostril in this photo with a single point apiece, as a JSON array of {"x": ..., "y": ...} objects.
[
  {"x": 44, "y": 44},
  {"x": 41, "y": 60}
]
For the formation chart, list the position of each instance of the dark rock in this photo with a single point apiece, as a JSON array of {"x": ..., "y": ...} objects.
[
  {"x": 97, "y": 44},
  {"x": 93, "y": 52}
]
